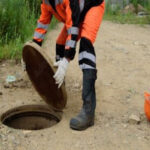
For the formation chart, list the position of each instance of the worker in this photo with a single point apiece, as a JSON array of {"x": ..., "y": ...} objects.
[{"x": 82, "y": 19}]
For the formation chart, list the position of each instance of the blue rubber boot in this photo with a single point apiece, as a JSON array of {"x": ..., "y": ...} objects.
[{"x": 85, "y": 118}]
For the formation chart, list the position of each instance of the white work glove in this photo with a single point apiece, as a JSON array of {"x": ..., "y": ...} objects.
[
  {"x": 61, "y": 71},
  {"x": 56, "y": 64}
]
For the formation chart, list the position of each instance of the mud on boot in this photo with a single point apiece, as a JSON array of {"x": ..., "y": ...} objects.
[{"x": 82, "y": 121}]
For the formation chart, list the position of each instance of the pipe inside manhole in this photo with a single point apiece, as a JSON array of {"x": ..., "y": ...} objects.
[{"x": 31, "y": 117}]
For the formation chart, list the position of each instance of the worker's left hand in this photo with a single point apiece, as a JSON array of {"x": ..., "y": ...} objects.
[{"x": 61, "y": 71}]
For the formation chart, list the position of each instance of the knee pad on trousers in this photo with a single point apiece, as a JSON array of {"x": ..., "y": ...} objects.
[
  {"x": 59, "y": 51},
  {"x": 87, "y": 57}
]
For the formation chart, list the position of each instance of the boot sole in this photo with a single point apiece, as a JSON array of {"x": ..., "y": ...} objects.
[{"x": 82, "y": 128}]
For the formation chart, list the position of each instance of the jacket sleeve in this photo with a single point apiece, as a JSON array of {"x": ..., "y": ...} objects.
[
  {"x": 72, "y": 26},
  {"x": 42, "y": 24}
]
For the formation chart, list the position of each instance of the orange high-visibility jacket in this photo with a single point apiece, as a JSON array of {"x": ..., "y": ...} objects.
[{"x": 71, "y": 12}]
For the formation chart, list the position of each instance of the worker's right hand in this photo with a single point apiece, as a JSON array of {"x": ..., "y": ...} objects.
[
  {"x": 61, "y": 71},
  {"x": 56, "y": 64}
]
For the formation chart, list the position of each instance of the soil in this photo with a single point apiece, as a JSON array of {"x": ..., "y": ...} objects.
[{"x": 123, "y": 58}]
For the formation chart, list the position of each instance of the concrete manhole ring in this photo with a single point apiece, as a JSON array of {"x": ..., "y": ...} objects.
[{"x": 31, "y": 117}]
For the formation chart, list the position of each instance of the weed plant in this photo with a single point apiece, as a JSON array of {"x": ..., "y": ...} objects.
[{"x": 18, "y": 19}]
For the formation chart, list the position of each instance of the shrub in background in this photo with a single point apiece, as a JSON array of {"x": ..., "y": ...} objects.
[{"x": 115, "y": 13}]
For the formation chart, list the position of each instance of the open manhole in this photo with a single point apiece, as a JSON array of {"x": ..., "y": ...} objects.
[{"x": 31, "y": 117}]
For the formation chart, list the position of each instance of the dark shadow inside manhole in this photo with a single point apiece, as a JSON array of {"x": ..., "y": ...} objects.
[{"x": 31, "y": 117}]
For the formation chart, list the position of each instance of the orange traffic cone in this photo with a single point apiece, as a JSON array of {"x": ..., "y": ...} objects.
[{"x": 147, "y": 105}]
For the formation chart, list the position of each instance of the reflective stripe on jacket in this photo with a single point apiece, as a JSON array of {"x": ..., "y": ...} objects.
[{"x": 70, "y": 12}]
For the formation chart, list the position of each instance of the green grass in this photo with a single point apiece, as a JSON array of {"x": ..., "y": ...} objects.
[
  {"x": 18, "y": 19},
  {"x": 13, "y": 50},
  {"x": 127, "y": 18},
  {"x": 116, "y": 14}
]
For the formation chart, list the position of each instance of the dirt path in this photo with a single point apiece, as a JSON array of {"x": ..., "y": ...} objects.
[{"x": 123, "y": 62}]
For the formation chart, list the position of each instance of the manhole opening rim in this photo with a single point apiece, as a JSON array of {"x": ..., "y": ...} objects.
[{"x": 57, "y": 115}]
